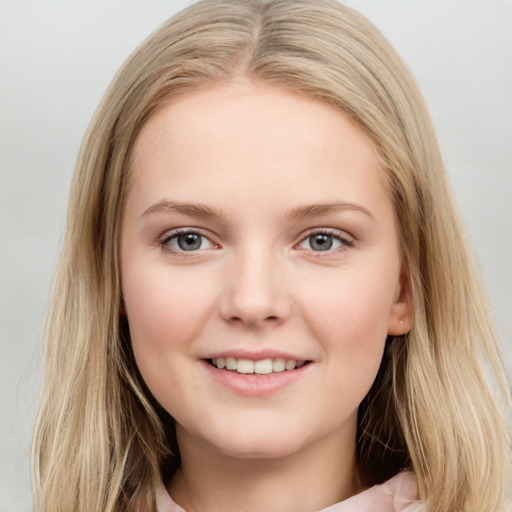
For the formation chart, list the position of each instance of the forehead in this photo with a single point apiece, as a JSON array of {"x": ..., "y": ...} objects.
[{"x": 246, "y": 139}]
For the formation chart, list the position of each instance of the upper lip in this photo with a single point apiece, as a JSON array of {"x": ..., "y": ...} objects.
[{"x": 254, "y": 355}]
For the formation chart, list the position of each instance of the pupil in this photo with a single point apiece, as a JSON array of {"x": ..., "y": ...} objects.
[
  {"x": 321, "y": 242},
  {"x": 189, "y": 241}
]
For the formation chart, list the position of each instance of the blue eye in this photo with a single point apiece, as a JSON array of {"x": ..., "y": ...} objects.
[
  {"x": 187, "y": 241},
  {"x": 323, "y": 241}
]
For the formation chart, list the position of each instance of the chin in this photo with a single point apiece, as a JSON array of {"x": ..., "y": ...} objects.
[
  {"x": 257, "y": 452},
  {"x": 257, "y": 445}
]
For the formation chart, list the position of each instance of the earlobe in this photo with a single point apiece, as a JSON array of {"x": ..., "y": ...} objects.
[
  {"x": 401, "y": 313},
  {"x": 398, "y": 326}
]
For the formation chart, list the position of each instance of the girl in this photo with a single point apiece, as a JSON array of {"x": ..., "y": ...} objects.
[{"x": 264, "y": 301}]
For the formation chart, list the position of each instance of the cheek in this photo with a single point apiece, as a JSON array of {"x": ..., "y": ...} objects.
[
  {"x": 349, "y": 316},
  {"x": 164, "y": 312}
]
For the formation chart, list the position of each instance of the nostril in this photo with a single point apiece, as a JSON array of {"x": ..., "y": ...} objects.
[
  {"x": 254, "y": 321},
  {"x": 252, "y": 302}
]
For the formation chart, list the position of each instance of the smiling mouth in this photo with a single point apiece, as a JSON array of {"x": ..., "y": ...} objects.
[{"x": 260, "y": 367}]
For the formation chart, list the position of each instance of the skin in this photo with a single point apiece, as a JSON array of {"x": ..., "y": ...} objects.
[{"x": 254, "y": 155}]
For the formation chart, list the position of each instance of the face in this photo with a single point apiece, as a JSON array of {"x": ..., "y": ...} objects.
[{"x": 261, "y": 268}]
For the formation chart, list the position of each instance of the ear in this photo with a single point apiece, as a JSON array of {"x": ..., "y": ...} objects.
[{"x": 401, "y": 313}]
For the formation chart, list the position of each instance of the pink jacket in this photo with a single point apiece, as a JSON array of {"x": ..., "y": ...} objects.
[{"x": 395, "y": 495}]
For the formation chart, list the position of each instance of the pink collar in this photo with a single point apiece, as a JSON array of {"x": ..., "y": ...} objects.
[{"x": 395, "y": 495}]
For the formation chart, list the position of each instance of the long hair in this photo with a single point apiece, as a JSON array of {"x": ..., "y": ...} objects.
[{"x": 101, "y": 442}]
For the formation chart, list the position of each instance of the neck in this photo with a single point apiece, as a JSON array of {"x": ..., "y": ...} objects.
[{"x": 311, "y": 479}]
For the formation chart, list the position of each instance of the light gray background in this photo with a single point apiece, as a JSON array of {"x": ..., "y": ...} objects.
[{"x": 56, "y": 60}]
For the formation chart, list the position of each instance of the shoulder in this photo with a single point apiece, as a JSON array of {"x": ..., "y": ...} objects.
[
  {"x": 164, "y": 503},
  {"x": 396, "y": 495}
]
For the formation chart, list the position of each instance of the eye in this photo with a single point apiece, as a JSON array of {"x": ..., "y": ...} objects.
[
  {"x": 186, "y": 241},
  {"x": 322, "y": 241}
]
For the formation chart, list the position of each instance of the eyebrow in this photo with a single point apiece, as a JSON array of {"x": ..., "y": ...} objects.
[
  {"x": 316, "y": 210},
  {"x": 297, "y": 213},
  {"x": 193, "y": 210}
]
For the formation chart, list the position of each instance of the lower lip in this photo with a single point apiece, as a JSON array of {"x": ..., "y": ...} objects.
[{"x": 253, "y": 385}]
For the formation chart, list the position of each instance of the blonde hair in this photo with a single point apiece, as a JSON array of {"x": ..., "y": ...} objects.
[{"x": 101, "y": 441}]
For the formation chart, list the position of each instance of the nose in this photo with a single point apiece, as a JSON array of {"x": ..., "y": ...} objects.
[{"x": 254, "y": 291}]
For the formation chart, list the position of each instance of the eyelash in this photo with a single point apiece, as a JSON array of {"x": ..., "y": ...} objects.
[
  {"x": 175, "y": 234},
  {"x": 336, "y": 235}
]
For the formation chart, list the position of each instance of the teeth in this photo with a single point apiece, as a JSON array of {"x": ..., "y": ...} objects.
[
  {"x": 261, "y": 367},
  {"x": 279, "y": 364},
  {"x": 290, "y": 364},
  {"x": 245, "y": 366},
  {"x": 230, "y": 363}
]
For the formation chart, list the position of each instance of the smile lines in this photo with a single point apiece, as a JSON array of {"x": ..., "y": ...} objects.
[{"x": 260, "y": 367}]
